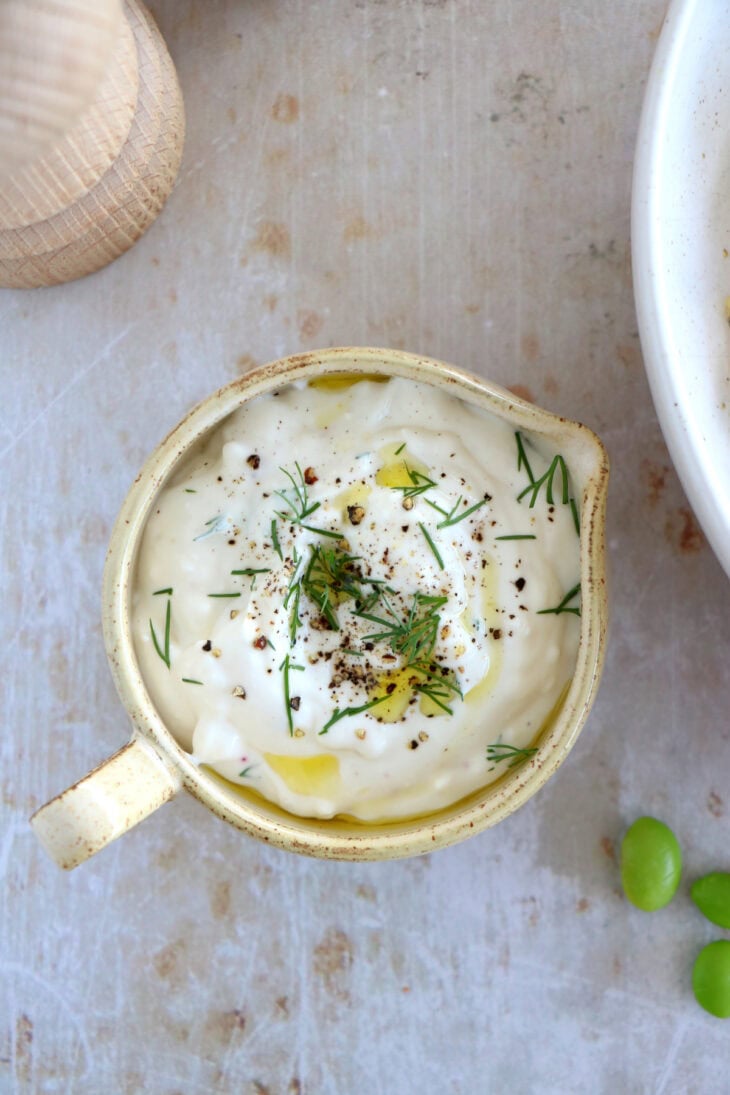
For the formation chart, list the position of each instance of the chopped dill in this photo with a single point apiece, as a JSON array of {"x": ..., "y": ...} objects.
[
  {"x": 164, "y": 653},
  {"x": 500, "y": 751},
  {"x": 296, "y": 498},
  {"x": 338, "y": 714},
  {"x": 275, "y": 539},
  {"x": 419, "y": 484},
  {"x": 564, "y": 605},
  {"x": 451, "y": 517},
  {"x": 522, "y": 461},
  {"x": 252, "y": 573},
  {"x": 576, "y": 517},
  {"x": 287, "y": 667},
  {"x": 434, "y": 549}
]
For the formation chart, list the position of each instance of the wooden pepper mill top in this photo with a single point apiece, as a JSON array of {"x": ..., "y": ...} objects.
[{"x": 91, "y": 135}]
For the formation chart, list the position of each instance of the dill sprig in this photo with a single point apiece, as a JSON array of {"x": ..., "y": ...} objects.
[
  {"x": 293, "y": 594},
  {"x": 412, "y": 636},
  {"x": 419, "y": 483},
  {"x": 534, "y": 486},
  {"x": 400, "y": 449},
  {"x": 168, "y": 591},
  {"x": 296, "y": 497},
  {"x": 275, "y": 539},
  {"x": 287, "y": 667},
  {"x": 439, "y": 685},
  {"x": 518, "y": 536},
  {"x": 434, "y": 549},
  {"x": 565, "y": 605},
  {"x": 252, "y": 573},
  {"x": 224, "y": 595},
  {"x": 245, "y": 772},
  {"x": 338, "y": 714},
  {"x": 190, "y": 680},
  {"x": 164, "y": 652},
  {"x": 451, "y": 517},
  {"x": 547, "y": 479},
  {"x": 500, "y": 751},
  {"x": 522, "y": 461},
  {"x": 576, "y": 516},
  {"x": 214, "y": 525},
  {"x": 332, "y": 575}
]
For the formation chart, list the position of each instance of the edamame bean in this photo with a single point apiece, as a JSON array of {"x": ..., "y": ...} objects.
[
  {"x": 651, "y": 864},
  {"x": 711, "y": 978},
  {"x": 711, "y": 895}
]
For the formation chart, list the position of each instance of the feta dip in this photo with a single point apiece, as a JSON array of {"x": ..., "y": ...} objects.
[{"x": 360, "y": 598}]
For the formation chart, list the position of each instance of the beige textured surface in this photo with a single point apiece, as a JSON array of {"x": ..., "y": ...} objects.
[{"x": 453, "y": 178}]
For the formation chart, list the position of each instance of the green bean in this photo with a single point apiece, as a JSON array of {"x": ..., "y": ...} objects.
[
  {"x": 711, "y": 895},
  {"x": 711, "y": 978},
  {"x": 651, "y": 864}
]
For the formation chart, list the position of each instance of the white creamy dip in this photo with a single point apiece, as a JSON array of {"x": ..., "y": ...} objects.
[{"x": 388, "y": 668}]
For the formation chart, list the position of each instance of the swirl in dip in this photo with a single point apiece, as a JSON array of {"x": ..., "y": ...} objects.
[{"x": 360, "y": 598}]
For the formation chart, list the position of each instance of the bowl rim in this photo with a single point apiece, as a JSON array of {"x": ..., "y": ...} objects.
[{"x": 337, "y": 839}]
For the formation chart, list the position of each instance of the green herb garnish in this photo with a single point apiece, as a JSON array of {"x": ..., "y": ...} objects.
[
  {"x": 414, "y": 636},
  {"x": 296, "y": 497},
  {"x": 449, "y": 518},
  {"x": 332, "y": 533},
  {"x": 214, "y": 525},
  {"x": 189, "y": 490},
  {"x": 517, "y": 536},
  {"x": 337, "y": 714},
  {"x": 500, "y": 751},
  {"x": 576, "y": 517},
  {"x": 190, "y": 680},
  {"x": 440, "y": 685},
  {"x": 168, "y": 591},
  {"x": 400, "y": 449},
  {"x": 332, "y": 575},
  {"x": 287, "y": 667},
  {"x": 546, "y": 479},
  {"x": 293, "y": 594},
  {"x": 522, "y": 461},
  {"x": 419, "y": 484},
  {"x": 244, "y": 773},
  {"x": 431, "y": 544},
  {"x": 224, "y": 594},
  {"x": 164, "y": 653},
  {"x": 275, "y": 539},
  {"x": 252, "y": 573},
  {"x": 564, "y": 605}
]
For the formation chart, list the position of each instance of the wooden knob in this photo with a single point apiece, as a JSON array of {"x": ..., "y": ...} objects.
[
  {"x": 83, "y": 200},
  {"x": 52, "y": 57}
]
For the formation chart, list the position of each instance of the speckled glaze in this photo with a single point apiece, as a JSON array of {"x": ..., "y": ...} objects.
[{"x": 153, "y": 767}]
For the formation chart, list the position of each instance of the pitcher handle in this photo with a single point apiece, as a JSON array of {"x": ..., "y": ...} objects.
[{"x": 107, "y": 802}]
